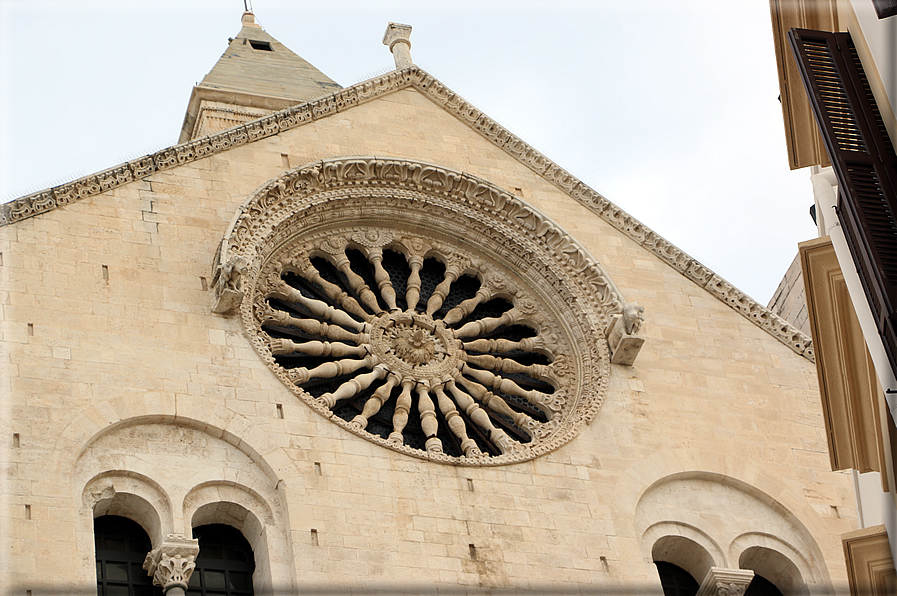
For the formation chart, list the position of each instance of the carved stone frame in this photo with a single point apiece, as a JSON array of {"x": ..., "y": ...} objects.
[{"x": 455, "y": 209}]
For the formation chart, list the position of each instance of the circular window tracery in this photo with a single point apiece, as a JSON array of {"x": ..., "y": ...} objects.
[
  {"x": 421, "y": 308},
  {"x": 462, "y": 371}
]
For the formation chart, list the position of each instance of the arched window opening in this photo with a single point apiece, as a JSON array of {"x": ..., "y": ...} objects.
[
  {"x": 683, "y": 554},
  {"x": 762, "y": 587},
  {"x": 774, "y": 573},
  {"x": 121, "y": 547},
  {"x": 225, "y": 563},
  {"x": 675, "y": 580}
]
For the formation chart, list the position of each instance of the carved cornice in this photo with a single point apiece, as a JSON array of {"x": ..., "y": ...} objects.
[{"x": 414, "y": 77}]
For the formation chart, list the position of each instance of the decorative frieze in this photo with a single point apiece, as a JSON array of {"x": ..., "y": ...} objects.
[{"x": 414, "y": 77}]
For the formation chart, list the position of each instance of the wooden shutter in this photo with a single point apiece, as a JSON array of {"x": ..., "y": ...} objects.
[
  {"x": 885, "y": 8},
  {"x": 863, "y": 159}
]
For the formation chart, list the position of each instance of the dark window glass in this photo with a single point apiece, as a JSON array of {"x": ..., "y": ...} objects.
[
  {"x": 225, "y": 563},
  {"x": 675, "y": 580},
  {"x": 121, "y": 547},
  {"x": 760, "y": 586},
  {"x": 261, "y": 45}
]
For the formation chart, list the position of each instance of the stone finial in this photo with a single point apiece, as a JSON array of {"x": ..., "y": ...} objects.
[
  {"x": 725, "y": 582},
  {"x": 249, "y": 19},
  {"x": 171, "y": 564},
  {"x": 398, "y": 38}
]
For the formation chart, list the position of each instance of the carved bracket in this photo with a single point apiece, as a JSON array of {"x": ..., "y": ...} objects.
[
  {"x": 171, "y": 564},
  {"x": 622, "y": 338},
  {"x": 227, "y": 286}
]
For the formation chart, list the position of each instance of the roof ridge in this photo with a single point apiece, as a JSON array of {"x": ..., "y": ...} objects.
[{"x": 344, "y": 99}]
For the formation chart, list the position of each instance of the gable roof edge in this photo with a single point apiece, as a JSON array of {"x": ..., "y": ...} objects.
[{"x": 414, "y": 77}]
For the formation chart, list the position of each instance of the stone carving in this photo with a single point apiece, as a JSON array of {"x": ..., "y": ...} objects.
[
  {"x": 227, "y": 286},
  {"x": 622, "y": 335},
  {"x": 378, "y": 298},
  {"x": 397, "y": 37},
  {"x": 172, "y": 563},
  {"x": 412, "y": 76},
  {"x": 725, "y": 582}
]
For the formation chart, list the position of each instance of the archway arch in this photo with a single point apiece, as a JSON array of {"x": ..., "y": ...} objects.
[{"x": 130, "y": 495}]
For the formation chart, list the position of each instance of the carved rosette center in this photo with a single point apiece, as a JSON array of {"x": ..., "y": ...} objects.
[{"x": 415, "y": 346}]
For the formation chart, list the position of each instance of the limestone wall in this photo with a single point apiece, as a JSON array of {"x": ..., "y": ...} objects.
[{"x": 122, "y": 393}]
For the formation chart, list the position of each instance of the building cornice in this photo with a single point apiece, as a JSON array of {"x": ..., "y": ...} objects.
[{"x": 416, "y": 78}]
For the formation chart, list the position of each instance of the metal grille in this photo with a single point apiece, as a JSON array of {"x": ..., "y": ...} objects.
[
  {"x": 397, "y": 268},
  {"x": 464, "y": 288},
  {"x": 362, "y": 267},
  {"x": 121, "y": 547},
  {"x": 225, "y": 563},
  {"x": 431, "y": 274}
]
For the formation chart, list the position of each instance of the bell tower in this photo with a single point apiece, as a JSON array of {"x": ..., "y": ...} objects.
[{"x": 255, "y": 76}]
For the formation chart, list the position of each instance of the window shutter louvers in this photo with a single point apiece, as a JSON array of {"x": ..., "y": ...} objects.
[{"x": 864, "y": 162}]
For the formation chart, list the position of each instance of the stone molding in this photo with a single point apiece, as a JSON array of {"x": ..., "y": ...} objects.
[
  {"x": 172, "y": 563},
  {"x": 725, "y": 582},
  {"x": 414, "y": 77}
]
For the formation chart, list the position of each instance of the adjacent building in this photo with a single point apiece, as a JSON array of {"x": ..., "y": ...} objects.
[{"x": 837, "y": 63}]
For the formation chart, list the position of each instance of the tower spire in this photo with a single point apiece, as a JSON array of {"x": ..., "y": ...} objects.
[{"x": 255, "y": 76}]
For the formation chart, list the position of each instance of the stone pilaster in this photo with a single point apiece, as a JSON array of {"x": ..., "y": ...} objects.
[
  {"x": 171, "y": 563},
  {"x": 725, "y": 582}
]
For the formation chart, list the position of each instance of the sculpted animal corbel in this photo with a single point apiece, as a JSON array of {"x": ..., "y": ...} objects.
[
  {"x": 633, "y": 316},
  {"x": 622, "y": 334},
  {"x": 227, "y": 285}
]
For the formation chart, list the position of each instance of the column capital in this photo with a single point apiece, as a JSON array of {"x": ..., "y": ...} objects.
[
  {"x": 725, "y": 582},
  {"x": 171, "y": 563}
]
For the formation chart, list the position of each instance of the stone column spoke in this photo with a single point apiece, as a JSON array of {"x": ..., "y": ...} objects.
[
  {"x": 477, "y": 328},
  {"x": 333, "y": 291},
  {"x": 352, "y": 387},
  {"x": 412, "y": 290},
  {"x": 384, "y": 283}
]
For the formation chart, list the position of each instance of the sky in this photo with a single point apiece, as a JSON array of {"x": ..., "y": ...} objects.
[{"x": 668, "y": 109}]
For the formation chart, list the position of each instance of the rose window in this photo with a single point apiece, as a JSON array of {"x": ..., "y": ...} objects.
[
  {"x": 413, "y": 348},
  {"x": 420, "y": 308}
]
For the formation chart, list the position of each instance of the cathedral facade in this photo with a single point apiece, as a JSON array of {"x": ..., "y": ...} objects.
[{"x": 364, "y": 339}]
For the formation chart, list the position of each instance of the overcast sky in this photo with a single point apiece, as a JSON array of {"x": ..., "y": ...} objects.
[{"x": 667, "y": 108}]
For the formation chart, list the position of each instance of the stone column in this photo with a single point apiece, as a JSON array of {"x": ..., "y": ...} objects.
[
  {"x": 398, "y": 38},
  {"x": 725, "y": 582},
  {"x": 171, "y": 564}
]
